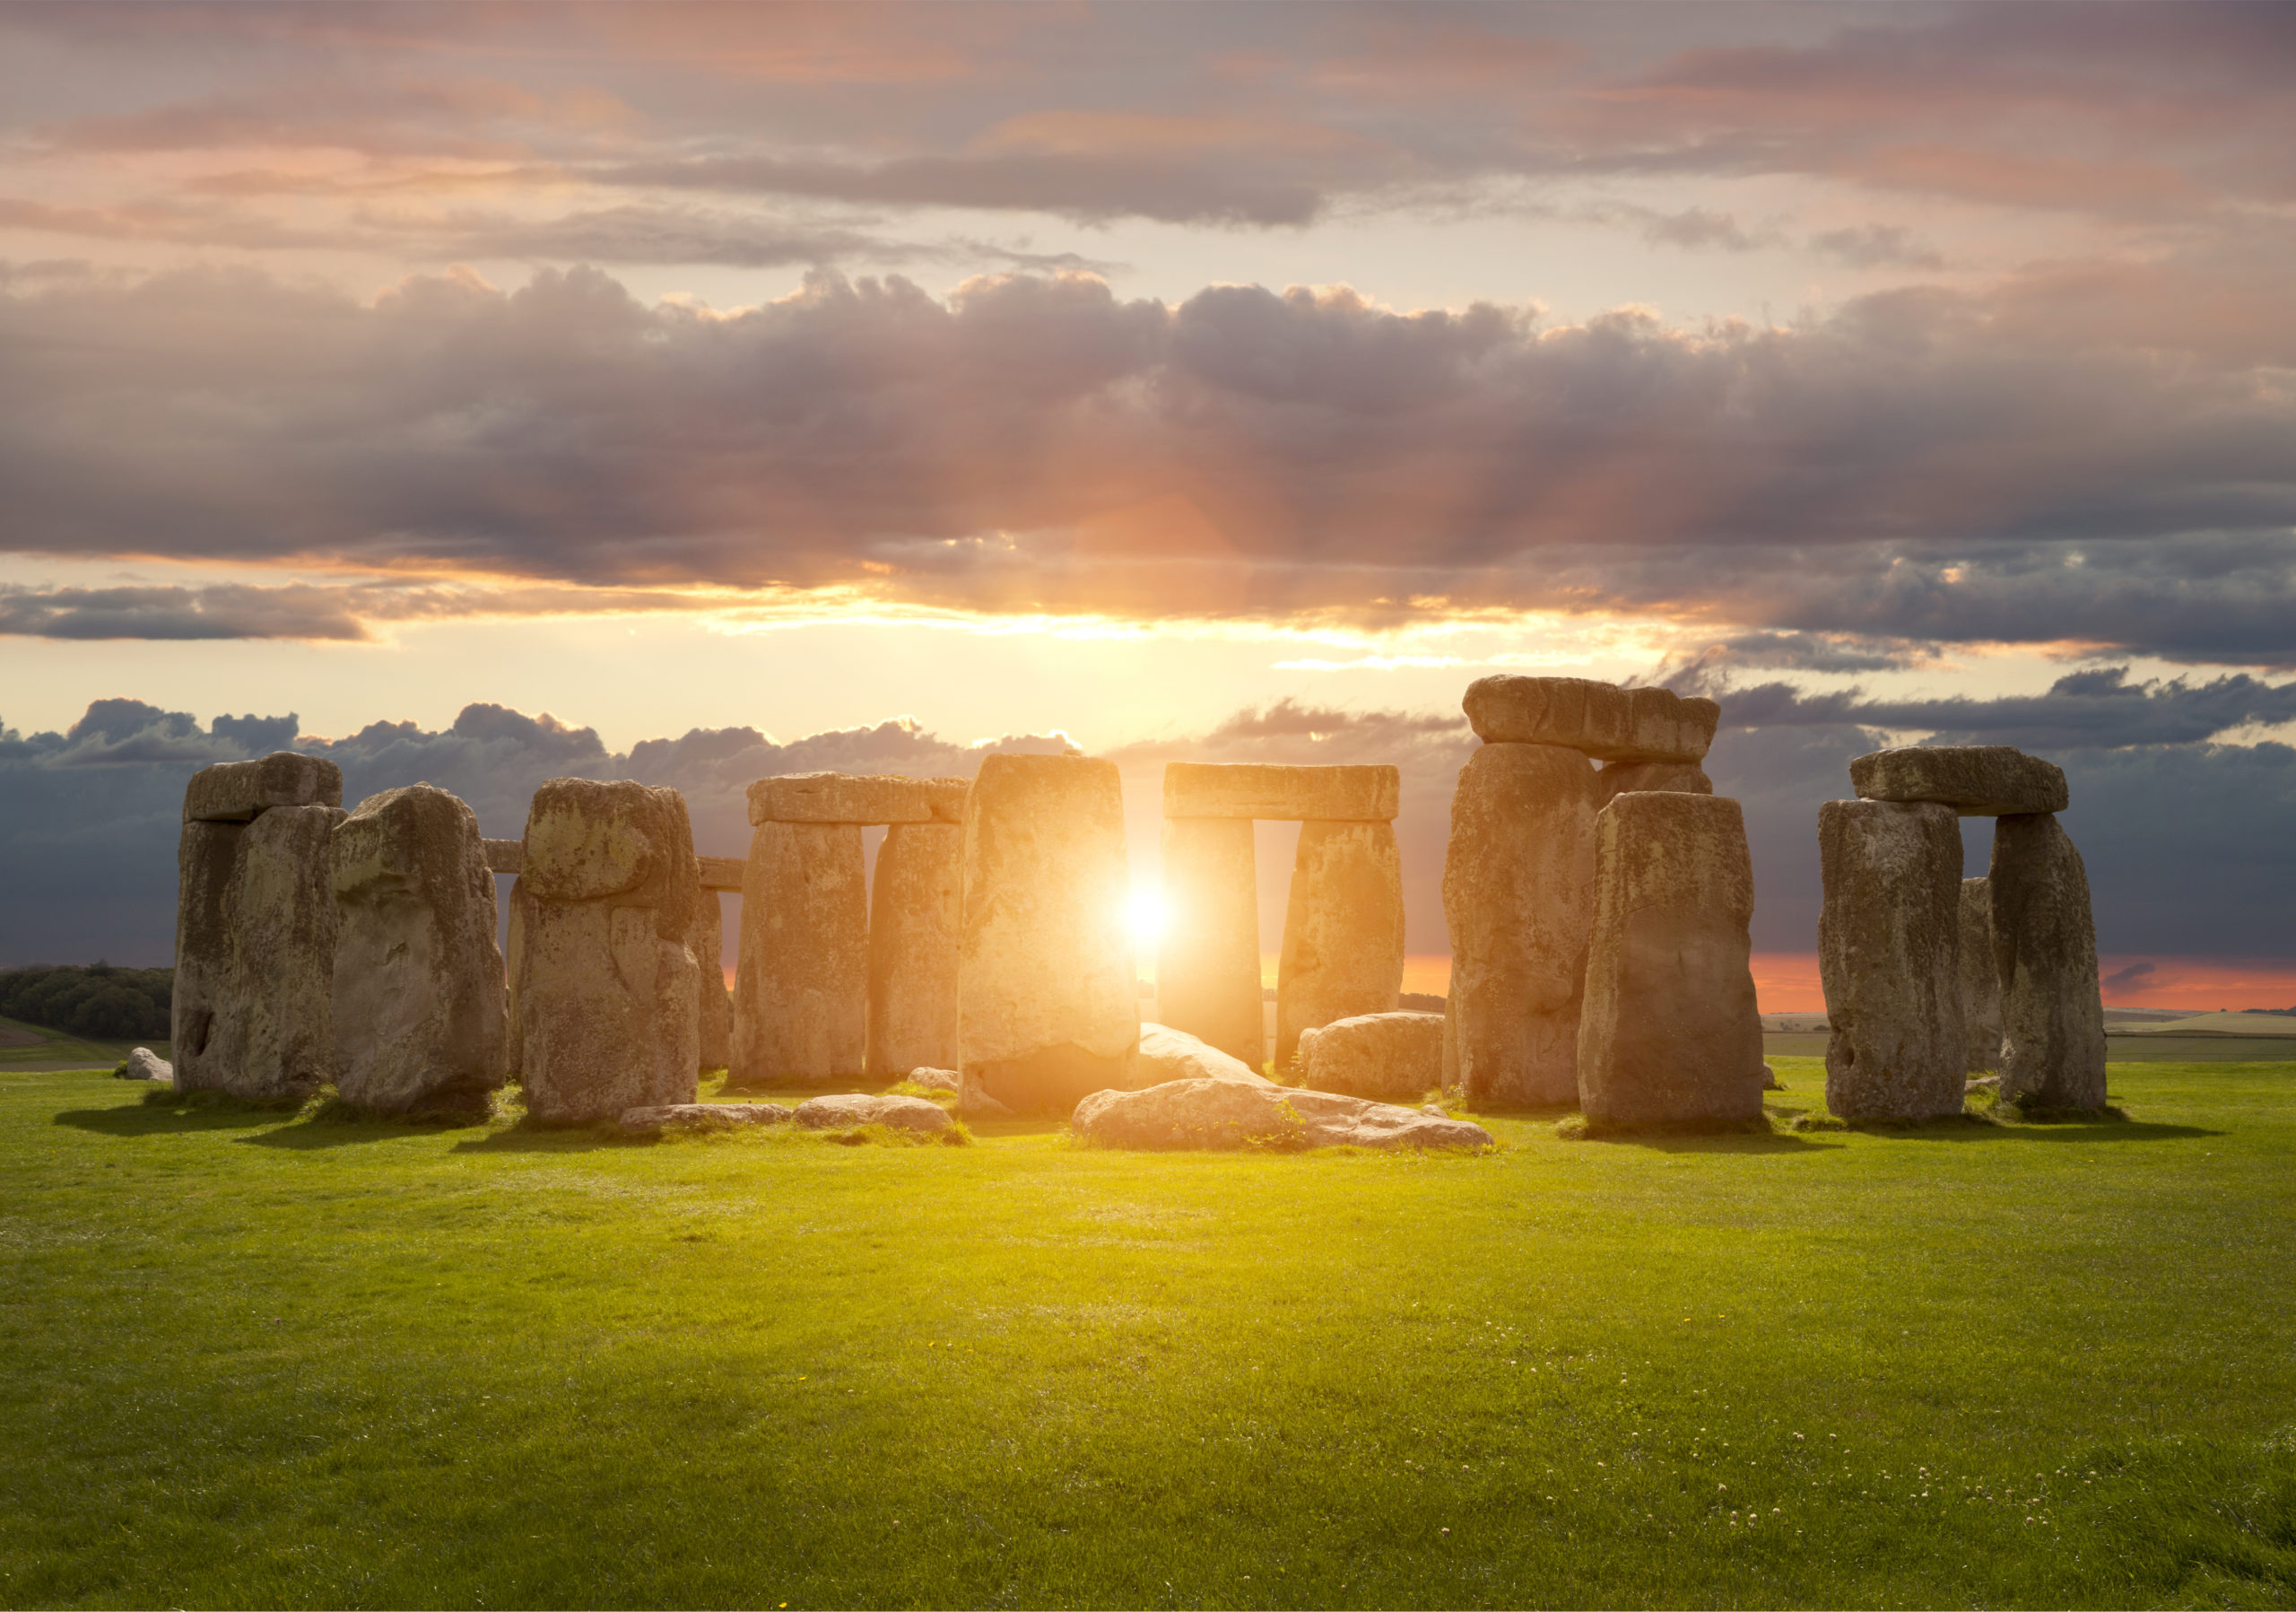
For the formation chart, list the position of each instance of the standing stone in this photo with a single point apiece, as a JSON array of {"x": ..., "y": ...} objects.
[
  {"x": 606, "y": 999},
  {"x": 2045, "y": 955},
  {"x": 1207, "y": 960},
  {"x": 418, "y": 999},
  {"x": 1047, "y": 986},
  {"x": 1980, "y": 986},
  {"x": 1671, "y": 1033},
  {"x": 519, "y": 926},
  {"x": 1889, "y": 958},
  {"x": 1518, "y": 885},
  {"x": 714, "y": 1014},
  {"x": 1343, "y": 930},
  {"x": 801, "y": 1012},
  {"x": 204, "y": 858},
  {"x": 916, "y": 921},
  {"x": 272, "y": 1034}
]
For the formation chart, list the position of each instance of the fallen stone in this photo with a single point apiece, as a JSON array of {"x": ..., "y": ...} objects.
[
  {"x": 419, "y": 1006},
  {"x": 1207, "y": 960},
  {"x": 143, "y": 1064},
  {"x": 916, "y": 921},
  {"x": 1230, "y": 1114},
  {"x": 1770, "y": 1080},
  {"x": 937, "y": 1080},
  {"x": 1600, "y": 720},
  {"x": 839, "y": 797},
  {"x": 713, "y": 1003},
  {"x": 1282, "y": 793},
  {"x": 506, "y": 856},
  {"x": 1980, "y": 986},
  {"x": 702, "y": 1117},
  {"x": 1977, "y": 780},
  {"x": 607, "y": 983},
  {"x": 1166, "y": 1054},
  {"x": 2045, "y": 955},
  {"x": 974, "y": 1103},
  {"x": 904, "y": 1114},
  {"x": 239, "y": 791},
  {"x": 1888, "y": 958},
  {"x": 801, "y": 991},
  {"x": 1388, "y": 1056},
  {"x": 1671, "y": 1033},
  {"x": 1643, "y": 778},
  {"x": 1518, "y": 894},
  {"x": 1343, "y": 930},
  {"x": 1048, "y": 996},
  {"x": 1435, "y": 1109}
]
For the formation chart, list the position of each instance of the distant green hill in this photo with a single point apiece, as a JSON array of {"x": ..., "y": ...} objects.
[
  {"x": 98, "y": 1000},
  {"x": 2214, "y": 1023}
]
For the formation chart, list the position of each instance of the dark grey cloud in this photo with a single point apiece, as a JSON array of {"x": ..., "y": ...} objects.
[{"x": 1930, "y": 467}]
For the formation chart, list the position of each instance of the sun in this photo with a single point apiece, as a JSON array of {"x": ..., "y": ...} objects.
[{"x": 1146, "y": 915}]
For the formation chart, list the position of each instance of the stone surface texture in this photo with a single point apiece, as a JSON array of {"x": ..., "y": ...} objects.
[
  {"x": 1389, "y": 1056},
  {"x": 1232, "y": 1114},
  {"x": 937, "y": 1080},
  {"x": 2045, "y": 956},
  {"x": 1980, "y": 985},
  {"x": 1343, "y": 930},
  {"x": 713, "y": 1003},
  {"x": 1518, "y": 894},
  {"x": 904, "y": 1114},
  {"x": 801, "y": 991},
  {"x": 1889, "y": 958},
  {"x": 1977, "y": 780},
  {"x": 1166, "y": 1053},
  {"x": 506, "y": 856},
  {"x": 844, "y": 798},
  {"x": 238, "y": 791},
  {"x": 1049, "y": 999},
  {"x": 723, "y": 873},
  {"x": 418, "y": 1004},
  {"x": 606, "y": 971},
  {"x": 1670, "y": 1034},
  {"x": 1643, "y": 778},
  {"x": 1207, "y": 960},
  {"x": 143, "y": 1064},
  {"x": 916, "y": 917},
  {"x": 1282, "y": 793},
  {"x": 702, "y": 1117},
  {"x": 1600, "y": 720},
  {"x": 205, "y": 854}
]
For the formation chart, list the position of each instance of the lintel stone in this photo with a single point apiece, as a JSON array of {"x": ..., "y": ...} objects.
[
  {"x": 505, "y": 855},
  {"x": 841, "y": 797},
  {"x": 236, "y": 791},
  {"x": 1977, "y": 780},
  {"x": 1282, "y": 793},
  {"x": 1599, "y": 719}
]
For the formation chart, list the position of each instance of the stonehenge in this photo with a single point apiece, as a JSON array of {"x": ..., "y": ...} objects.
[
  {"x": 1669, "y": 1033},
  {"x": 1341, "y": 952},
  {"x": 1048, "y": 999},
  {"x": 1518, "y": 874},
  {"x": 254, "y": 927},
  {"x": 1929, "y": 977},
  {"x": 418, "y": 1003},
  {"x": 608, "y": 1018},
  {"x": 916, "y": 910},
  {"x": 1393, "y": 1057}
]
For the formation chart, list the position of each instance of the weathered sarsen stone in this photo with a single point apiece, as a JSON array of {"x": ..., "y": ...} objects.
[
  {"x": 273, "y": 1034},
  {"x": 1279, "y": 793},
  {"x": 714, "y": 1005},
  {"x": 855, "y": 1108},
  {"x": 840, "y": 797},
  {"x": 916, "y": 916},
  {"x": 606, "y": 975},
  {"x": 1518, "y": 885},
  {"x": 1980, "y": 986},
  {"x": 1236, "y": 1115},
  {"x": 1889, "y": 958},
  {"x": 1207, "y": 959},
  {"x": 1977, "y": 780},
  {"x": 801, "y": 1009},
  {"x": 1670, "y": 1034},
  {"x": 1343, "y": 929},
  {"x": 204, "y": 855},
  {"x": 1642, "y": 777},
  {"x": 240, "y": 791},
  {"x": 1047, "y": 992},
  {"x": 1165, "y": 1053},
  {"x": 1393, "y": 1057},
  {"x": 2045, "y": 955},
  {"x": 418, "y": 1001},
  {"x": 1600, "y": 720}
]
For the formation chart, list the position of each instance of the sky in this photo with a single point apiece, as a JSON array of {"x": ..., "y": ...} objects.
[{"x": 737, "y": 384}]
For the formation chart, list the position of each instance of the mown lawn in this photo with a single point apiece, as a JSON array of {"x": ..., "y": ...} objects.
[{"x": 256, "y": 1359}]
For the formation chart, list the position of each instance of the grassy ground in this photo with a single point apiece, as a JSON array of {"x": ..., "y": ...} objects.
[
  {"x": 35, "y": 1047},
  {"x": 263, "y": 1359}
]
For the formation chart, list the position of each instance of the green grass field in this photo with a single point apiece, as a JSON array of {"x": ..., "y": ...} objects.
[{"x": 266, "y": 1359}]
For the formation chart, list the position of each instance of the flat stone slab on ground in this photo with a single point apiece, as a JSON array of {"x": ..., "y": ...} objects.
[
  {"x": 1230, "y": 1114},
  {"x": 236, "y": 791},
  {"x": 703, "y": 1117},
  {"x": 1276, "y": 793},
  {"x": 1388, "y": 1056},
  {"x": 841, "y": 797},
  {"x": 855, "y": 1108},
  {"x": 1600, "y": 720},
  {"x": 1977, "y": 780}
]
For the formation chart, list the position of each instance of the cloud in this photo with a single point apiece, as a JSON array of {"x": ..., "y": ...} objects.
[
  {"x": 2130, "y": 978},
  {"x": 1877, "y": 246},
  {"x": 1930, "y": 466}
]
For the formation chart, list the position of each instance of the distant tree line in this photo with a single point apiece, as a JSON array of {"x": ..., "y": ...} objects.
[{"x": 97, "y": 1000}]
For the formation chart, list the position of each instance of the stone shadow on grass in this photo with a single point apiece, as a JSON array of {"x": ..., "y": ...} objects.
[
  {"x": 1665, "y": 1140},
  {"x": 331, "y": 1129},
  {"x": 157, "y": 1119}
]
